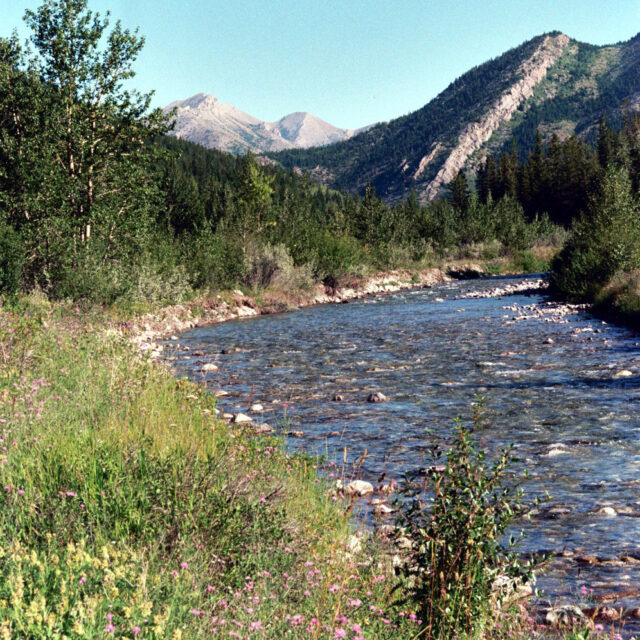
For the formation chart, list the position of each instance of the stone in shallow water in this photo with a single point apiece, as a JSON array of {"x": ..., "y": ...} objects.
[
  {"x": 565, "y": 616},
  {"x": 241, "y": 418},
  {"x": 209, "y": 367},
  {"x": 262, "y": 427},
  {"x": 358, "y": 488},
  {"x": 377, "y": 397}
]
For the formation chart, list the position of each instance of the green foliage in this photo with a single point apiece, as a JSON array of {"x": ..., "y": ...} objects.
[
  {"x": 11, "y": 260},
  {"x": 455, "y": 523},
  {"x": 603, "y": 242},
  {"x": 334, "y": 256},
  {"x": 77, "y": 187}
]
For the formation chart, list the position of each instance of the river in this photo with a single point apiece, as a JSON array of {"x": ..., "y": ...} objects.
[{"x": 564, "y": 389}]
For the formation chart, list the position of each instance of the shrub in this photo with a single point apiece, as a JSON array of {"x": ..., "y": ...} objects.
[
  {"x": 11, "y": 259},
  {"x": 214, "y": 260},
  {"x": 335, "y": 256},
  {"x": 603, "y": 242},
  {"x": 151, "y": 287},
  {"x": 455, "y": 523},
  {"x": 512, "y": 228}
]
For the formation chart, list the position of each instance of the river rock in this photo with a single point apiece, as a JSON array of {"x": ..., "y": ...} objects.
[
  {"x": 605, "y": 614},
  {"x": 625, "y": 373},
  {"x": 209, "y": 366},
  {"x": 257, "y": 408},
  {"x": 262, "y": 428},
  {"x": 377, "y": 397},
  {"x": 241, "y": 418},
  {"x": 466, "y": 271},
  {"x": 296, "y": 434},
  {"x": 354, "y": 545},
  {"x": 383, "y": 509},
  {"x": 607, "y": 511},
  {"x": 564, "y": 616},
  {"x": 220, "y": 393},
  {"x": 337, "y": 397},
  {"x": 358, "y": 488}
]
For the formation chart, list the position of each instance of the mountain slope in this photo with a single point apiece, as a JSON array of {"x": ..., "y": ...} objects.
[
  {"x": 550, "y": 82},
  {"x": 205, "y": 120}
]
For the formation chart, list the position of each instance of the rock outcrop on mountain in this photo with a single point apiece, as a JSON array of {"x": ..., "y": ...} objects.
[
  {"x": 476, "y": 134},
  {"x": 551, "y": 84},
  {"x": 205, "y": 120}
]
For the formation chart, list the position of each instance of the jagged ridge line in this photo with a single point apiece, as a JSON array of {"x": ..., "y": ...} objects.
[{"x": 477, "y": 133}]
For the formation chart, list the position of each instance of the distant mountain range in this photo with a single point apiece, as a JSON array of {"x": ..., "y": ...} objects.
[
  {"x": 205, "y": 120},
  {"x": 551, "y": 84}
]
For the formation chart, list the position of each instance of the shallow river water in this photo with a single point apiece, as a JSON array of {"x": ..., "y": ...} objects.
[{"x": 563, "y": 389}]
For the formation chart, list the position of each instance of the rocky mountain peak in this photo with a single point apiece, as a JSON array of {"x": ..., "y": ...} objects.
[{"x": 205, "y": 120}]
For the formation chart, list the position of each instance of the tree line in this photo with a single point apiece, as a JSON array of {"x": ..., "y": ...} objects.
[{"x": 97, "y": 202}]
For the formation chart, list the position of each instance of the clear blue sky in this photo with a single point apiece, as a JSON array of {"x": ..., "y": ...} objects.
[{"x": 350, "y": 62}]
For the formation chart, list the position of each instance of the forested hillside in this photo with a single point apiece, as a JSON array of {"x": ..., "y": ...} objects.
[{"x": 550, "y": 84}]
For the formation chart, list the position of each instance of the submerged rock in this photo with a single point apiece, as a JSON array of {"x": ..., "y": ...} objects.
[
  {"x": 209, "y": 366},
  {"x": 377, "y": 397}
]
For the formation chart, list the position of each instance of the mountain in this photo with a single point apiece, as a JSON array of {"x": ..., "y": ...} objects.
[
  {"x": 205, "y": 120},
  {"x": 551, "y": 83}
]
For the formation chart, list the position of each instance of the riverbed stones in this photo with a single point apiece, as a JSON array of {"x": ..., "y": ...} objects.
[
  {"x": 376, "y": 397},
  {"x": 607, "y": 511},
  {"x": 337, "y": 397},
  {"x": 257, "y": 408},
  {"x": 358, "y": 488},
  {"x": 209, "y": 367},
  {"x": 241, "y": 418},
  {"x": 565, "y": 616},
  {"x": 262, "y": 428},
  {"x": 625, "y": 373},
  {"x": 603, "y": 614}
]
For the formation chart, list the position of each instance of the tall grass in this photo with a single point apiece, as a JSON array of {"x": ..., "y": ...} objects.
[{"x": 129, "y": 510}]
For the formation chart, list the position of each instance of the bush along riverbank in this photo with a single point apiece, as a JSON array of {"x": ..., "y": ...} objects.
[
  {"x": 130, "y": 511},
  {"x": 600, "y": 262}
]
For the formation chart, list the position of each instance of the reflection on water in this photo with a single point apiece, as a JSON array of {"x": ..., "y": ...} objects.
[{"x": 566, "y": 394}]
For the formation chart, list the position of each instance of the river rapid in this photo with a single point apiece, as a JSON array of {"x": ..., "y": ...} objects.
[{"x": 563, "y": 388}]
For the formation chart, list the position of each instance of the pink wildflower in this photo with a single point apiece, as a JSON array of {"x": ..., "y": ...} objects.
[{"x": 339, "y": 633}]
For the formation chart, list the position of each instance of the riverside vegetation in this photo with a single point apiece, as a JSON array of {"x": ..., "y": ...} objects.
[{"x": 129, "y": 510}]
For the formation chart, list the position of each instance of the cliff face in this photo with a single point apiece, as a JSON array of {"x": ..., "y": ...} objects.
[
  {"x": 475, "y": 134},
  {"x": 551, "y": 83}
]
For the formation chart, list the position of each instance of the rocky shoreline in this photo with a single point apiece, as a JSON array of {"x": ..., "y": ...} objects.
[{"x": 149, "y": 329}]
